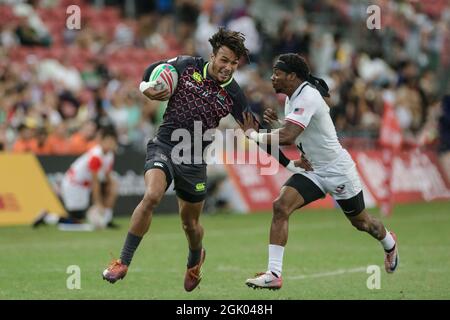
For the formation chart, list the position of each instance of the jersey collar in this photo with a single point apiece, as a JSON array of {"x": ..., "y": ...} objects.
[
  {"x": 298, "y": 90},
  {"x": 205, "y": 70}
]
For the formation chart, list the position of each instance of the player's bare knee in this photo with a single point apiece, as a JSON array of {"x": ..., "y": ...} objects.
[
  {"x": 190, "y": 225},
  {"x": 150, "y": 201},
  {"x": 280, "y": 210}
]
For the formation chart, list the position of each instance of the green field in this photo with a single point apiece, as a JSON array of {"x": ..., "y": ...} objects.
[{"x": 325, "y": 258}]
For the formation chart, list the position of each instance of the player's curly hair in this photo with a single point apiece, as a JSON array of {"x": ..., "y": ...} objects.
[{"x": 231, "y": 39}]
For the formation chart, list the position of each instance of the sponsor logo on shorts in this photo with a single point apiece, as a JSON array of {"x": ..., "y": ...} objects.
[
  {"x": 200, "y": 186},
  {"x": 163, "y": 157},
  {"x": 340, "y": 189}
]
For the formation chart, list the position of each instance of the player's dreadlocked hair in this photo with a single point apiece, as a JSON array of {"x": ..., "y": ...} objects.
[
  {"x": 231, "y": 39},
  {"x": 292, "y": 62}
]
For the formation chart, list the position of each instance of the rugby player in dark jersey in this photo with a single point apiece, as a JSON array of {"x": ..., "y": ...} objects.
[{"x": 206, "y": 92}]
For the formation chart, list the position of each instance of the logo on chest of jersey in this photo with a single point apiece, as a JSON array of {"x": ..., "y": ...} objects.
[
  {"x": 197, "y": 77},
  {"x": 221, "y": 96}
]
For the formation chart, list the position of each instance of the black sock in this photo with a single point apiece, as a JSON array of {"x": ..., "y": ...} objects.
[
  {"x": 129, "y": 247},
  {"x": 194, "y": 257}
]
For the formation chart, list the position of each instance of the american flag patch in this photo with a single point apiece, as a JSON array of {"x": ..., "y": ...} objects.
[{"x": 299, "y": 111}]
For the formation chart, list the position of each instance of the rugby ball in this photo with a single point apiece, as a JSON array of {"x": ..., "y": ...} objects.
[
  {"x": 163, "y": 76},
  {"x": 95, "y": 217}
]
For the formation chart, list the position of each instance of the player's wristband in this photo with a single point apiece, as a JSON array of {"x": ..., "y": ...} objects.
[
  {"x": 144, "y": 86},
  {"x": 277, "y": 124},
  {"x": 150, "y": 84},
  {"x": 254, "y": 136}
]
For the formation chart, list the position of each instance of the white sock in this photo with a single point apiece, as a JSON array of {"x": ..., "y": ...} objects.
[
  {"x": 51, "y": 218},
  {"x": 108, "y": 214},
  {"x": 388, "y": 242},
  {"x": 275, "y": 259}
]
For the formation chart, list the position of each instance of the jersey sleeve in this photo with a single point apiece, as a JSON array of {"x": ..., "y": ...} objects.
[
  {"x": 94, "y": 164},
  {"x": 301, "y": 114}
]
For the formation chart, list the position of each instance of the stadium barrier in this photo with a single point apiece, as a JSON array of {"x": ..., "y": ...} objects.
[{"x": 24, "y": 190}]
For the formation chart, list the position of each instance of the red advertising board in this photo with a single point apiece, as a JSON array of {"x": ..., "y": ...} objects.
[
  {"x": 259, "y": 190},
  {"x": 417, "y": 176}
]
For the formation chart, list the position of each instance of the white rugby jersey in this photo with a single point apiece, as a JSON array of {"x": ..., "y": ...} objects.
[
  {"x": 94, "y": 160},
  {"x": 318, "y": 141}
]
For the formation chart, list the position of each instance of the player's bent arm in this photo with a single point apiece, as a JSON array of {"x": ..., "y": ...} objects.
[
  {"x": 154, "y": 94},
  {"x": 96, "y": 191},
  {"x": 148, "y": 88},
  {"x": 286, "y": 135}
]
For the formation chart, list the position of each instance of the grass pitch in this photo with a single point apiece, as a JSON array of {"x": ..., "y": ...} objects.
[{"x": 326, "y": 258}]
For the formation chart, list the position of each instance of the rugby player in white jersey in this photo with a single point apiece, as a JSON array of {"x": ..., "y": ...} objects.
[
  {"x": 87, "y": 181},
  {"x": 330, "y": 168}
]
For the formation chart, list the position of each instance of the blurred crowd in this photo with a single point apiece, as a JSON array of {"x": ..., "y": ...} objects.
[{"x": 58, "y": 86}]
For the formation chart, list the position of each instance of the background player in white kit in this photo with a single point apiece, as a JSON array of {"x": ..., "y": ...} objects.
[
  {"x": 331, "y": 169},
  {"x": 88, "y": 178}
]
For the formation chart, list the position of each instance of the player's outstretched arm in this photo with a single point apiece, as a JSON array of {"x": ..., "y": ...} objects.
[
  {"x": 249, "y": 123},
  {"x": 286, "y": 135}
]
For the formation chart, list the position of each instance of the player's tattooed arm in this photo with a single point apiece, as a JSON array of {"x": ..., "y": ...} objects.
[{"x": 288, "y": 133}]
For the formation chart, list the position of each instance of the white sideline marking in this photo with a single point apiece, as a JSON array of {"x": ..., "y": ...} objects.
[{"x": 327, "y": 274}]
